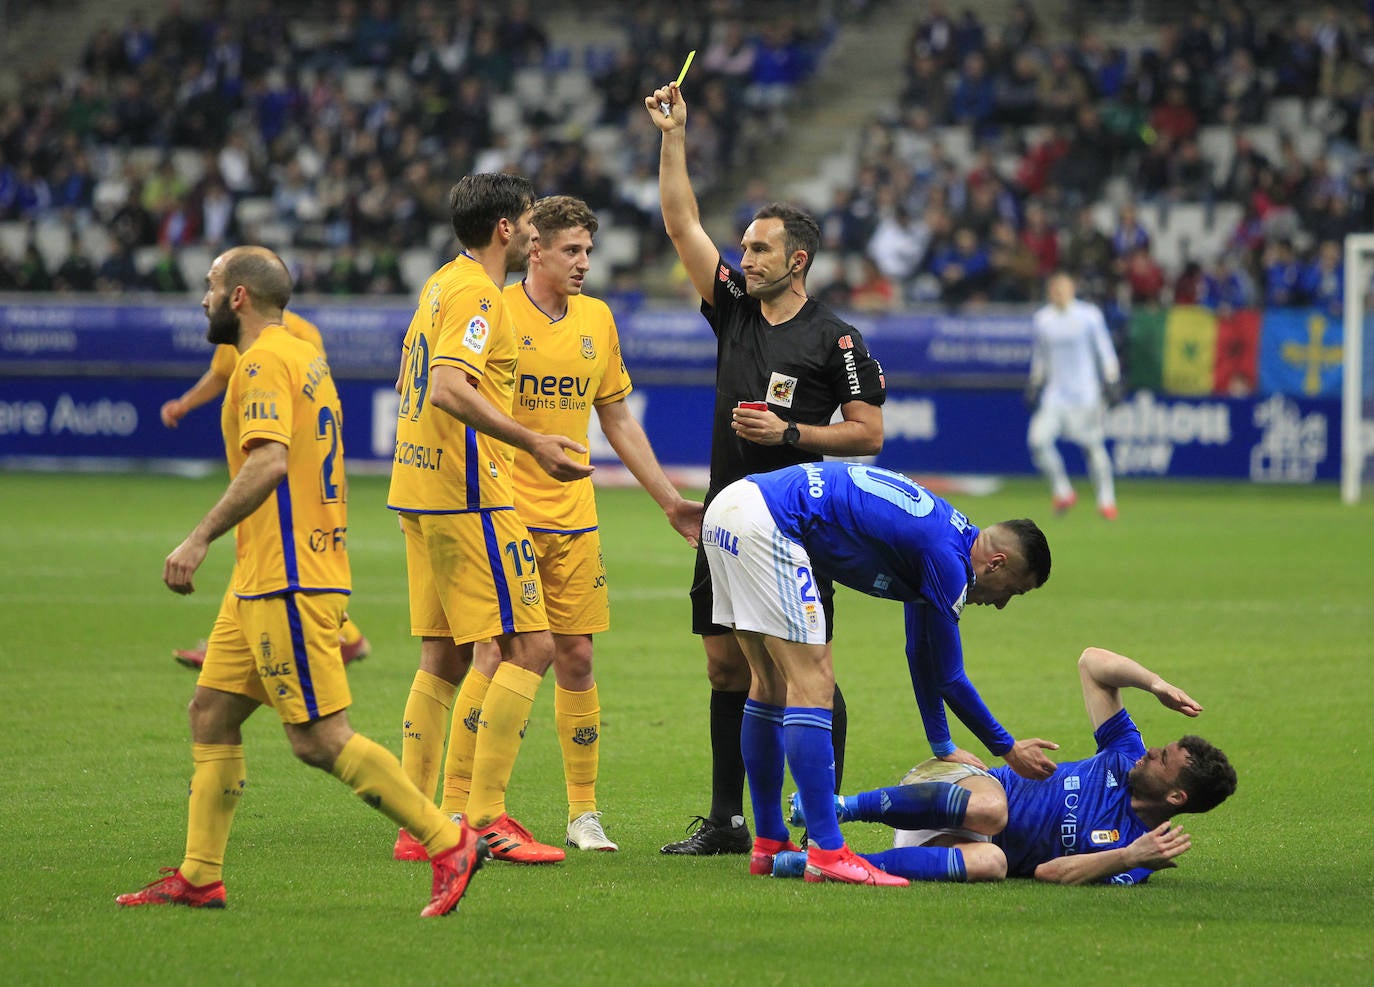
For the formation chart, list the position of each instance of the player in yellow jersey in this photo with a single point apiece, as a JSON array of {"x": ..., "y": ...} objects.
[
  {"x": 569, "y": 363},
  {"x": 470, "y": 561},
  {"x": 275, "y": 640},
  {"x": 353, "y": 645}
]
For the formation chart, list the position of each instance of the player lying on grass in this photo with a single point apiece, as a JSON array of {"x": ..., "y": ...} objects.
[
  {"x": 1105, "y": 819},
  {"x": 768, "y": 539}
]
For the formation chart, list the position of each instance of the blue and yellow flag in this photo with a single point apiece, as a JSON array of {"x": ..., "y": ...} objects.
[{"x": 1300, "y": 353}]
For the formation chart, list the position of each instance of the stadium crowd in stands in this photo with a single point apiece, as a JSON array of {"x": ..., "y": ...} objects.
[
  {"x": 1006, "y": 156},
  {"x": 1220, "y": 162},
  {"x": 333, "y": 132}
]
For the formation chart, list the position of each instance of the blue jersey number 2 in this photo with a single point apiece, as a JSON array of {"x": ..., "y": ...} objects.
[{"x": 327, "y": 430}]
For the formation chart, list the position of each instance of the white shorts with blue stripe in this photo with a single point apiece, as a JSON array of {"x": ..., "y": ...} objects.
[{"x": 760, "y": 579}]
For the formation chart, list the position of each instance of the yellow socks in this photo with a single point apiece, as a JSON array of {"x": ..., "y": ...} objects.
[
  {"x": 216, "y": 786},
  {"x": 462, "y": 742},
  {"x": 422, "y": 737},
  {"x": 505, "y": 714},
  {"x": 577, "y": 717},
  {"x": 370, "y": 770}
]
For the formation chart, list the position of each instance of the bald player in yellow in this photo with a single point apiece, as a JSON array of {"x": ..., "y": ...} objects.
[
  {"x": 275, "y": 641},
  {"x": 211, "y": 385},
  {"x": 569, "y": 363},
  {"x": 470, "y": 561}
]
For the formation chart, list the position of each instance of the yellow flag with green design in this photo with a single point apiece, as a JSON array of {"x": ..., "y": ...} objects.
[{"x": 1190, "y": 350}]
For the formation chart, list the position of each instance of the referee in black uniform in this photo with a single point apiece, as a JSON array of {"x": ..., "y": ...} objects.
[{"x": 775, "y": 345}]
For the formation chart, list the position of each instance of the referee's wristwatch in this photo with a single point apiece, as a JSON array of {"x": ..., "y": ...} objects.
[{"x": 791, "y": 435}]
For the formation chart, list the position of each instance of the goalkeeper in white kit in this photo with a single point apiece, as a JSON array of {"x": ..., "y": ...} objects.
[{"x": 1074, "y": 375}]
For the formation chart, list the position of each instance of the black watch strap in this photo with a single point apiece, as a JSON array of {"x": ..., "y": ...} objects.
[{"x": 791, "y": 435}]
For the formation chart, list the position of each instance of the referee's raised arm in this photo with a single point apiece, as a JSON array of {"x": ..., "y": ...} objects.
[{"x": 681, "y": 216}]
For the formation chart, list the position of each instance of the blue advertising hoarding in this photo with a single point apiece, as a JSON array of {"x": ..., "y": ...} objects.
[
  {"x": 1272, "y": 439},
  {"x": 658, "y": 344},
  {"x": 87, "y": 379}
]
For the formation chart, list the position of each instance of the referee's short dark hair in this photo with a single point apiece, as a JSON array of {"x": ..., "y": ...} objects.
[
  {"x": 478, "y": 202},
  {"x": 799, "y": 230}
]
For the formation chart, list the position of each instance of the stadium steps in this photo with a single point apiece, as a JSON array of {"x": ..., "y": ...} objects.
[
  {"x": 862, "y": 76},
  {"x": 54, "y": 34}
]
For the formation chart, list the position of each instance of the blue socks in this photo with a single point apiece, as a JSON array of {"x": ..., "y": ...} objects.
[
  {"x": 811, "y": 755},
  {"x": 760, "y": 742},
  {"x": 921, "y": 863},
  {"x": 917, "y": 863},
  {"x": 928, "y": 805}
]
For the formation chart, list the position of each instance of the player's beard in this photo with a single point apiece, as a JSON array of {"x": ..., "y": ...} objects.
[
  {"x": 518, "y": 254},
  {"x": 225, "y": 327},
  {"x": 1145, "y": 786}
]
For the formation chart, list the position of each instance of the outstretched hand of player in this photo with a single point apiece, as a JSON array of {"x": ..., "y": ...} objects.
[
  {"x": 1027, "y": 759},
  {"x": 1158, "y": 848},
  {"x": 181, "y": 565},
  {"x": 551, "y": 453},
  {"x": 961, "y": 756},
  {"x": 676, "y": 118},
  {"x": 1175, "y": 698},
  {"x": 685, "y": 517},
  {"x": 172, "y": 412}
]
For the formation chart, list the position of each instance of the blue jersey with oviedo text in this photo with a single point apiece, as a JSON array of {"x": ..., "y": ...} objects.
[
  {"x": 1084, "y": 807},
  {"x": 874, "y": 531}
]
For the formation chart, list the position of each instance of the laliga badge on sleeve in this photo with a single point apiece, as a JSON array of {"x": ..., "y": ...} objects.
[{"x": 475, "y": 336}]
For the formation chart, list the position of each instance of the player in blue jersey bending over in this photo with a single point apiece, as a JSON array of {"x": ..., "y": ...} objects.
[
  {"x": 1102, "y": 820},
  {"x": 768, "y": 538}
]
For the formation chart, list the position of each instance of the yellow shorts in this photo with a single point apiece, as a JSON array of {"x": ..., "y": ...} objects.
[
  {"x": 472, "y": 576},
  {"x": 574, "y": 578},
  {"x": 282, "y": 651}
]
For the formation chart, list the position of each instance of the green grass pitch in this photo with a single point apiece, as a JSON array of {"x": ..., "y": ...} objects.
[{"x": 1254, "y": 599}]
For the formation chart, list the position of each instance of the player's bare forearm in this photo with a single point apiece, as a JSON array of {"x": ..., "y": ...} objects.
[
  {"x": 210, "y": 386},
  {"x": 1113, "y": 671},
  {"x": 1104, "y": 674},
  {"x": 1156, "y": 850},
  {"x": 452, "y": 393},
  {"x": 262, "y": 470},
  {"x": 627, "y": 438},
  {"x": 1084, "y": 868}
]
